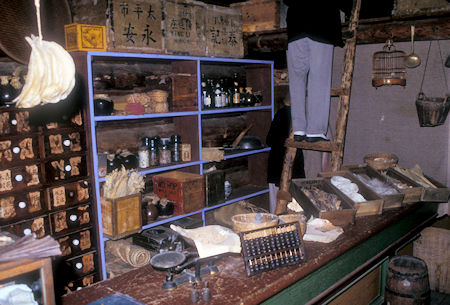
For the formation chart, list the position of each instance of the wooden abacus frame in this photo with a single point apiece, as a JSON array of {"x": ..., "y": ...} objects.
[{"x": 272, "y": 247}]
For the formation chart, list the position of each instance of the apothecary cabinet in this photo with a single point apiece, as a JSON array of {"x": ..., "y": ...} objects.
[{"x": 128, "y": 78}]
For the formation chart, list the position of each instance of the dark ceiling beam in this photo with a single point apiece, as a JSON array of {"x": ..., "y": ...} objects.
[{"x": 428, "y": 27}]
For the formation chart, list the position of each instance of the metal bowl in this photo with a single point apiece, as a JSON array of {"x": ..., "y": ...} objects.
[{"x": 250, "y": 142}]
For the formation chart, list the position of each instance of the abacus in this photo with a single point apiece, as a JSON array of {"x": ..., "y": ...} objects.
[{"x": 272, "y": 248}]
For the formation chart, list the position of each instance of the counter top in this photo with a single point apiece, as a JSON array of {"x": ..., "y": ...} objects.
[{"x": 326, "y": 267}]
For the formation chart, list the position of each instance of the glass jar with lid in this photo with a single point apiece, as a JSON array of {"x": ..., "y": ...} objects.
[{"x": 165, "y": 155}]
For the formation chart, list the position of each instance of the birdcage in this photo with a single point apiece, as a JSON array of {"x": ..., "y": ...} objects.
[{"x": 388, "y": 66}]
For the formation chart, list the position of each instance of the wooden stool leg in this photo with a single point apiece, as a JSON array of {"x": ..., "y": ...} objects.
[{"x": 286, "y": 176}]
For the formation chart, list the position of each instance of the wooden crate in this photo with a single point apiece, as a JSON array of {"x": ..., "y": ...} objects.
[
  {"x": 412, "y": 191},
  {"x": 259, "y": 15},
  {"x": 339, "y": 218},
  {"x": 184, "y": 93},
  {"x": 184, "y": 27},
  {"x": 223, "y": 32},
  {"x": 138, "y": 27},
  {"x": 392, "y": 201},
  {"x": 185, "y": 189},
  {"x": 374, "y": 203},
  {"x": 121, "y": 216}
]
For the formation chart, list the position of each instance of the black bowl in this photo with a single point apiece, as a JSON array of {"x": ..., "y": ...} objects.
[{"x": 103, "y": 107}]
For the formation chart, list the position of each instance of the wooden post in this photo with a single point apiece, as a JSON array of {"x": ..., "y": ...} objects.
[
  {"x": 346, "y": 84},
  {"x": 286, "y": 176}
]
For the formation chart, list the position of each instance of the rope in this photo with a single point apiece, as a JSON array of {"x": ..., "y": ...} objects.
[
  {"x": 426, "y": 64},
  {"x": 38, "y": 17},
  {"x": 443, "y": 71}
]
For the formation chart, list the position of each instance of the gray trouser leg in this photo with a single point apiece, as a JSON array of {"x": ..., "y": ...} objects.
[{"x": 310, "y": 62}]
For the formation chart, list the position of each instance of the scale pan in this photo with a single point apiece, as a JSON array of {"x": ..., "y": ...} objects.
[{"x": 167, "y": 260}]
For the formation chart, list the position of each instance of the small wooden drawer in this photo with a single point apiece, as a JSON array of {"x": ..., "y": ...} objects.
[
  {"x": 374, "y": 203},
  {"x": 81, "y": 265},
  {"x": 391, "y": 201},
  {"x": 15, "y": 122},
  {"x": 40, "y": 226},
  {"x": 64, "y": 169},
  {"x": 18, "y": 178},
  {"x": 76, "y": 243},
  {"x": 411, "y": 189},
  {"x": 17, "y": 206},
  {"x": 13, "y": 151},
  {"x": 75, "y": 121},
  {"x": 341, "y": 217},
  {"x": 72, "y": 219},
  {"x": 81, "y": 283},
  {"x": 61, "y": 143},
  {"x": 67, "y": 195}
]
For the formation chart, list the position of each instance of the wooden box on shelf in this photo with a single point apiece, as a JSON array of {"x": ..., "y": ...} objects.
[
  {"x": 214, "y": 187},
  {"x": 85, "y": 37},
  {"x": 185, "y": 189},
  {"x": 121, "y": 216},
  {"x": 184, "y": 92},
  {"x": 260, "y": 15}
]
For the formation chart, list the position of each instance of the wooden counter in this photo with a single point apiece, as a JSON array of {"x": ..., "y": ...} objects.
[{"x": 328, "y": 267}]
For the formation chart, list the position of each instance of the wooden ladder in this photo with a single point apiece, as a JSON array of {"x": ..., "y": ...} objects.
[{"x": 336, "y": 147}]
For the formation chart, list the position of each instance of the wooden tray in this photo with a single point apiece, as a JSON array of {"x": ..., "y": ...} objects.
[
  {"x": 412, "y": 193},
  {"x": 439, "y": 194},
  {"x": 374, "y": 203},
  {"x": 339, "y": 218},
  {"x": 390, "y": 201}
]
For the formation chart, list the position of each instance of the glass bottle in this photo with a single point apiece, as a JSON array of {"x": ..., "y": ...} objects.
[
  {"x": 242, "y": 97},
  {"x": 206, "y": 100},
  {"x": 153, "y": 153},
  {"x": 176, "y": 147},
  {"x": 235, "y": 91},
  {"x": 218, "y": 96},
  {"x": 210, "y": 92},
  {"x": 250, "y": 98},
  {"x": 224, "y": 94}
]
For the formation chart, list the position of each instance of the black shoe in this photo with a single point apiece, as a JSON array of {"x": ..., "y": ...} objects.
[
  {"x": 299, "y": 138},
  {"x": 316, "y": 139}
]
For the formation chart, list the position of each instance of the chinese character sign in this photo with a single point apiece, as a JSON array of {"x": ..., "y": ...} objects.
[
  {"x": 224, "y": 32},
  {"x": 184, "y": 28},
  {"x": 137, "y": 24}
]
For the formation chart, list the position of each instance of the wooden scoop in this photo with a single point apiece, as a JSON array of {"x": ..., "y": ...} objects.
[{"x": 240, "y": 136}]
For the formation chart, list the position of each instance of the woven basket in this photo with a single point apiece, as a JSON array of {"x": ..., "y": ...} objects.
[
  {"x": 253, "y": 221},
  {"x": 433, "y": 246},
  {"x": 432, "y": 111},
  {"x": 381, "y": 160}
]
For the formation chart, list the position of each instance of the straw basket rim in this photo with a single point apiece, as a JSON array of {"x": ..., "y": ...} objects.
[{"x": 381, "y": 160}]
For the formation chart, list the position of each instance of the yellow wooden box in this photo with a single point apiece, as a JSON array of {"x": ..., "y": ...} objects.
[
  {"x": 121, "y": 216},
  {"x": 85, "y": 37}
]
